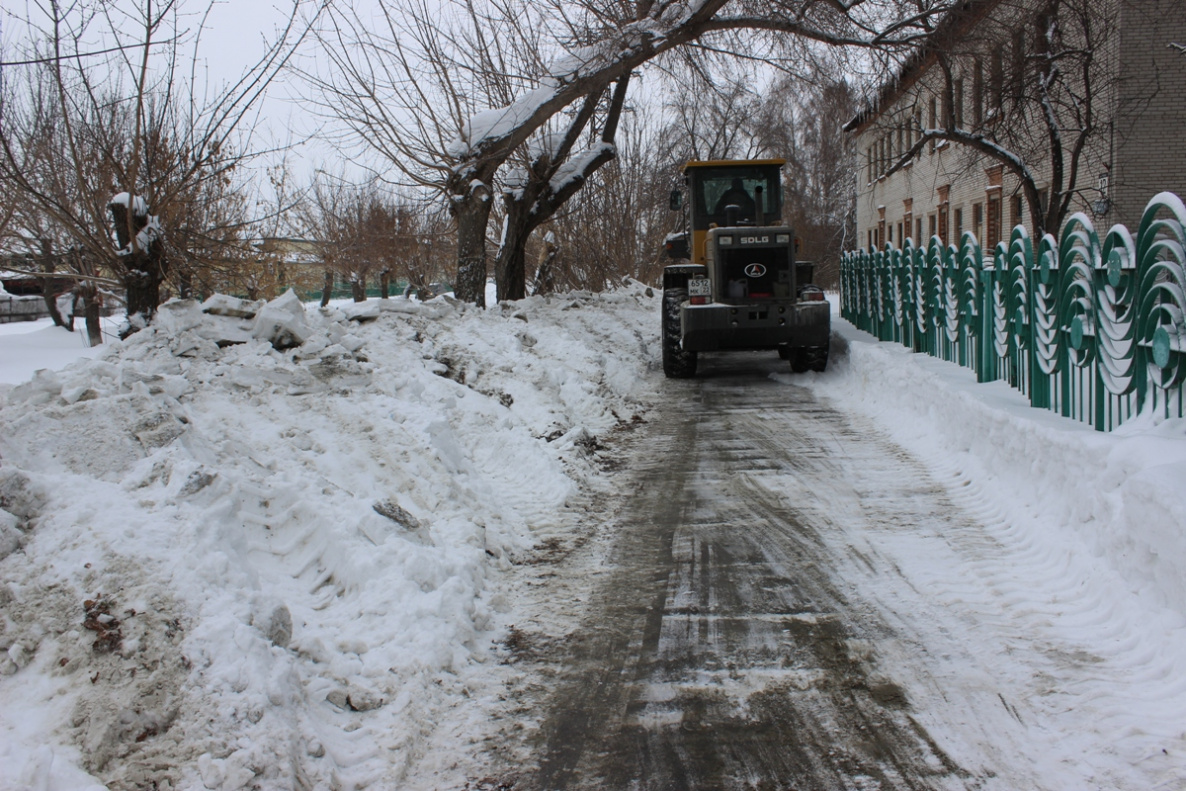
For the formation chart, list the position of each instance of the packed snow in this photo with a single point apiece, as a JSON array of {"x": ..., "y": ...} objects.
[
  {"x": 1061, "y": 595},
  {"x": 274, "y": 545}
]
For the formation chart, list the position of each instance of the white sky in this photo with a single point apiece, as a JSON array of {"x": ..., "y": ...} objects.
[{"x": 235, "y": 35}]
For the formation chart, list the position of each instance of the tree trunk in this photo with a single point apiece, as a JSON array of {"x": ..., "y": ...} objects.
[
  {"x": 545, "y": 274},
  {"x": 327, "y": 289},
  {"x": 143, "y": 267},
  {"x": 384, "y": 284},
  {"x": 51, "y": 305},
  {"x": 358, "y": 289},
  {"x": 510, "y": 266},
  {"x": 536, "y": 202},
  {"x": 91, "y": 311},
  {"x": 51, "y": 299},
  {"x": 473, "y": 213},
  {"x": 142, "y": 282}
]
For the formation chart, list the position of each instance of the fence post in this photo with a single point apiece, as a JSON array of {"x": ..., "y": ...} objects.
[{"x": 986, "y": 371}]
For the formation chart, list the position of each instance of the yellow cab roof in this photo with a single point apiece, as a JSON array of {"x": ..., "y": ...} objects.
[{"x": 716, "y": 163}]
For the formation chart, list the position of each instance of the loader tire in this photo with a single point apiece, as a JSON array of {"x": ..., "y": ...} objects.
[
  {"x": 677, "y": 363},
  {"x": 809, "y": 358}
]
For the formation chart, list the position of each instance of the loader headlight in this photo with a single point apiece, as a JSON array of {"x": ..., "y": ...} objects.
[
  {"x": 783, "y": 238},
  {"x": 725, "y": 240}
]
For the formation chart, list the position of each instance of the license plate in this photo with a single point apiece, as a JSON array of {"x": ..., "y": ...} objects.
[{"x": 700, "y": 287}]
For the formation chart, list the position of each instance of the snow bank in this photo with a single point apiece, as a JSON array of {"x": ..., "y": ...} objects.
[
  {"x": 251, "y": 545},
  {"x": 1066, "y": 576},
  {"x": 1120, "y": 494}
]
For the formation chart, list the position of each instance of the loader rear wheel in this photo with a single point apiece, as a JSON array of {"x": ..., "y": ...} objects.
[
  {"x": 677, "y": 362},
  {"x": 809, "y": 358}
]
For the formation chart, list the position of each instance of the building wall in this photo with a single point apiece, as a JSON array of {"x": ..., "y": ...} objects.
[
  {"x": 1150, "y": 132},
  {"x": 1140, "y": 107}
]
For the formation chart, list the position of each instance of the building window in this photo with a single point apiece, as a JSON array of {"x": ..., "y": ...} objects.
[
  {"x": 1017, "y": 53},
  {"x": 958, "y": 217},
  {"x": 994, "y": 220},
  {"x": 1015, "y": 213},
  {"x": 933, "y": 120},
  {"x": 996, "y": 80},
  {"x": 957, "y": 91},
  {"x": 901, "y": 238},
  {"x": 944, "y": 225},
  {"x": 977, "y": 93},
  {"x": 1041, "y": 31},
  {"x": 918, "y": 230},
  {"x": 934, "y": 226},
  {"x": 978, "y": 220}
]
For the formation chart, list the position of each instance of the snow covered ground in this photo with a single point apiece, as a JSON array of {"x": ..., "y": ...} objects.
[
  {"x": 1065, "y": 587},
  {"x": 230, "y": 566},
  {"x": 26, "y": 346}
]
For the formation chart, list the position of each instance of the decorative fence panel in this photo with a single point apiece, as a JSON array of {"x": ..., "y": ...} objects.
[{"x": 1095, "y": 331}]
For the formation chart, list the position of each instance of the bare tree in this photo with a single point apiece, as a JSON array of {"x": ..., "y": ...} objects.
[
  {"x": 143, "y": 155},
  {"x": 552, "y": 175},
  {"x": 365, "y": 234},
  {"x": 615, "y": 39},
  {"x": 402, "y": 90},
  {"x": 803, "y": 121},
  {"x": 1030, "y": 92},
  {"x": 343, "y": 220},
  {"x": 614, "y": 228}
]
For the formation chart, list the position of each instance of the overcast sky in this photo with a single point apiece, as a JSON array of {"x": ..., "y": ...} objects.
[{"x": 234, "y": 37}]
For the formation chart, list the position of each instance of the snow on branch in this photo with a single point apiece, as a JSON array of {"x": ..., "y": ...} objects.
[
  {"x": 147, "y": 226},
  {"x": 577, "y": 168},
  {"x": 573, "y": 74}
]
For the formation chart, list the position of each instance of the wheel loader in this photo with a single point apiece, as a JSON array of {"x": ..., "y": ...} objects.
[{"x": 736, "y": 284}]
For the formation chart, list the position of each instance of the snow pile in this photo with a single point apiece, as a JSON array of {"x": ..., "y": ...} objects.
[{"x": 257, "y": 541}]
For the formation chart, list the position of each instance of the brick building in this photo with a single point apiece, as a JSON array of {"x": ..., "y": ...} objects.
[{"x": 936, "y": 146}]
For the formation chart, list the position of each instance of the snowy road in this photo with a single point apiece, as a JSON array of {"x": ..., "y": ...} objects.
[
  {"x": 438, "y": 548},
  {"x": 729, "y": 649},
  {"x": 793, "y": 601}
]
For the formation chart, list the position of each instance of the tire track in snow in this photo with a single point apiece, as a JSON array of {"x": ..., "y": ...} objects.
[
  {"x": 727, "y": 650},
  {"x": 1098, "y": 656}
]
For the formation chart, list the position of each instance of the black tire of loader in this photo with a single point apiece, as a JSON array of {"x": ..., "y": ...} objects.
[
  {"x": 810, "y": 358},
  {"x": 677, "y": 363}
]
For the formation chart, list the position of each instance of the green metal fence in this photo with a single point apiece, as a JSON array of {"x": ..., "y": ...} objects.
[{"x": 1094, "y": 331}]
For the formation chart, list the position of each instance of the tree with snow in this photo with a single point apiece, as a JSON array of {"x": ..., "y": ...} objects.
[{"x": 412, "y": 87}]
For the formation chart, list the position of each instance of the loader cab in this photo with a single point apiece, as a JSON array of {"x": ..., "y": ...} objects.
[{"x": 730, "y": 193}]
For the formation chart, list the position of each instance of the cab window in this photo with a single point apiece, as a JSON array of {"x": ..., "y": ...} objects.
[{"x": 717, "y": 188}]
